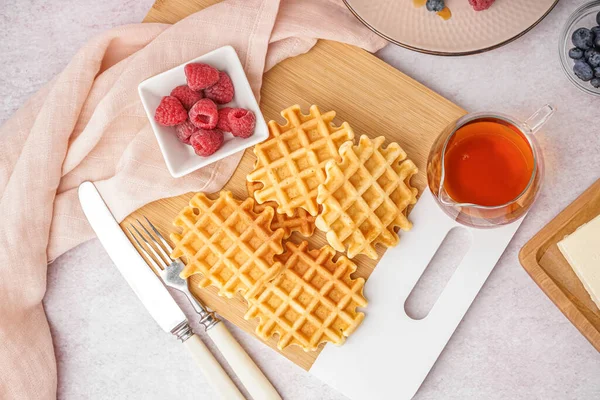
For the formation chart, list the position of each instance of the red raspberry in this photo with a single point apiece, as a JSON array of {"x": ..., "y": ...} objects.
[
  {"x": 186, "y": 96},
  {"x": 242, "y": 122},
  {"x": 206, "y": 142},
  {"x": 204, "y": 114},
  {"x": 222, "y": 91},
  {"x": 185, "y": 131},
  {"x": 480, "y": 5},
  {"x": 170, "y": 112},
  {"x": 200, "y": 76},
  {"x": 223, "y": 123}
]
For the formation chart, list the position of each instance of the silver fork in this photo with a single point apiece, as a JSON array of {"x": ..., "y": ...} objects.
[{"x": 169, "y": 270}]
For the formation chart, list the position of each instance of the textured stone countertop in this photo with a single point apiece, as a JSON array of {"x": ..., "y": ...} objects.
[{"x": 512, "y": 344}]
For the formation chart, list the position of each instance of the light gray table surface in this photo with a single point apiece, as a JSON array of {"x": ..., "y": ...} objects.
[{"x": 512, "y": 344}]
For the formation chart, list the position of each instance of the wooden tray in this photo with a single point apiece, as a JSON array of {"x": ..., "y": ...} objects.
[
  {"x": 372, "y": 96},
  {"x": 544, "y": 262}
]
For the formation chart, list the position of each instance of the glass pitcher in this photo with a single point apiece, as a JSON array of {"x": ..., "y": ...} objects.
[{"x": 486, "y": 169}]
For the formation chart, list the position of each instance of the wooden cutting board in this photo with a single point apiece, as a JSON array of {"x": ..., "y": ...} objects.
[
  {"x": 372, "y": 96},
  {"x": 546, "y": 265}
]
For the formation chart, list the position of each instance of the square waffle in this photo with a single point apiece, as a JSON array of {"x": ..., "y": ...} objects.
[
  {"x": 312, "y": 301},
  {"x": 291, "y": 163},
  {"x": 301, "y": 221},
  {"x": 365, "y": 196},
  {"x": 229, "y": 244}
]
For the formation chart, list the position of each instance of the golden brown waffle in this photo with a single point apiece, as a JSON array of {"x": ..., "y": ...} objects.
[
  {"x": 232, "y": 246},
  {"x": 301, "y": 221},
  {"x": 291, "y": 163},
  {"x": 312, "y": 301},
  {"x": 365, "y": 196}
]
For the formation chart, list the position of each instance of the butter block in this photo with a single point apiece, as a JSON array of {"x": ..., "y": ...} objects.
[{"x": 582, "y": 250}]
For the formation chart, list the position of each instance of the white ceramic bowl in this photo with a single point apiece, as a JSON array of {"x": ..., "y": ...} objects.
[{"x": 179, "y": 157}]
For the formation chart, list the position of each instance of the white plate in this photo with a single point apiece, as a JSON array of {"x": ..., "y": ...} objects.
[
  {"x": 467, "y": 32},
  {"x": 179, "y": 157}
]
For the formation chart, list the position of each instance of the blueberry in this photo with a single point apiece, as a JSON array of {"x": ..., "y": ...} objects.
[
  {"x": 583, "y": 38},
  {"x": 587, "y": 54},
  {"x": 583, "y": 70},
  {"x": 595, "y": 82},
  {"x": 594, "y": 58},
  {"x": 575, "y": 53},
  {"x": 598, "y": 18},
  {"x": 596, "y": 30},
  {"x": 597, "y": 72},
  {"x": 435, "y": 5}
]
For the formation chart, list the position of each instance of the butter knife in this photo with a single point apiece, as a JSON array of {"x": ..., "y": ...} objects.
[{"x": 150, "y": 289}]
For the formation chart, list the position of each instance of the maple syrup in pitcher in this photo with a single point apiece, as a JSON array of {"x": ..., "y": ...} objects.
[
  {"x": 487, "y": 163},
  {"x": 485, "y": 169}
]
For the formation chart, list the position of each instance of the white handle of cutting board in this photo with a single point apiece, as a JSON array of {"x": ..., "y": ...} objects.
[
  {"x": 251, "y": 376},
  {"x": 470, "y": 274},
  {"x": 390, "y": 354},
  {"x": 212, "y": 370}
]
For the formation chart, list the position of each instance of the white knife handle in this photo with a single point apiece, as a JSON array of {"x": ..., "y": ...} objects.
[
  {"x": 212, "y": 370},
  {"x": 246, "y": 370}
]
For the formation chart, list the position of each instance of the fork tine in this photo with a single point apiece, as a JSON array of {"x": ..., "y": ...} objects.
[
  {"x": 162, "y": 251},
  {"x": 145, "y": 254},
  {"x": 160, "y": 236},
  {"x": 157, "y": 258}
]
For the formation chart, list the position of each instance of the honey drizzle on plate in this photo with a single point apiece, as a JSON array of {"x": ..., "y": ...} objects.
[{"x": 445, "y": 14}]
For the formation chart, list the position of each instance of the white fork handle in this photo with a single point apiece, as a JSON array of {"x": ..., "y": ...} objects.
[
  {"x": 212, "y": 370},
  {"x": 251, "y": 376}
]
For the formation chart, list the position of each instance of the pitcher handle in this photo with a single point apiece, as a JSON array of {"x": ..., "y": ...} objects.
[{"x": 539, "y": 118}]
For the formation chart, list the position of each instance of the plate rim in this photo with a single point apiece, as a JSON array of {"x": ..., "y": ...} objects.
[{"x": 444, "y": 53}]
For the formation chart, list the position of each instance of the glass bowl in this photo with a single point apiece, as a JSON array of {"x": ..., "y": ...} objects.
[{"x": 583, "y": 17}]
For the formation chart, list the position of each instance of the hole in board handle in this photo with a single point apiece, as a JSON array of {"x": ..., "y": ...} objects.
[{"x": 440, "y": 269}]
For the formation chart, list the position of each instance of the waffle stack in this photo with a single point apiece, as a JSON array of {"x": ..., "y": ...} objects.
[
  {"x": 301, "y": 221},
  {"x": 366, "y": 196},
  {"x": 312, "y": 301},
  {"x": 309, "y": 172},
  {"x": 230, "y": 245},
  {"x": 291, "y": 163}
]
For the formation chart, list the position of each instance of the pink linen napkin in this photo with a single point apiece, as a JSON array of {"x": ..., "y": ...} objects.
[{"x": 88, "y": 124}]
